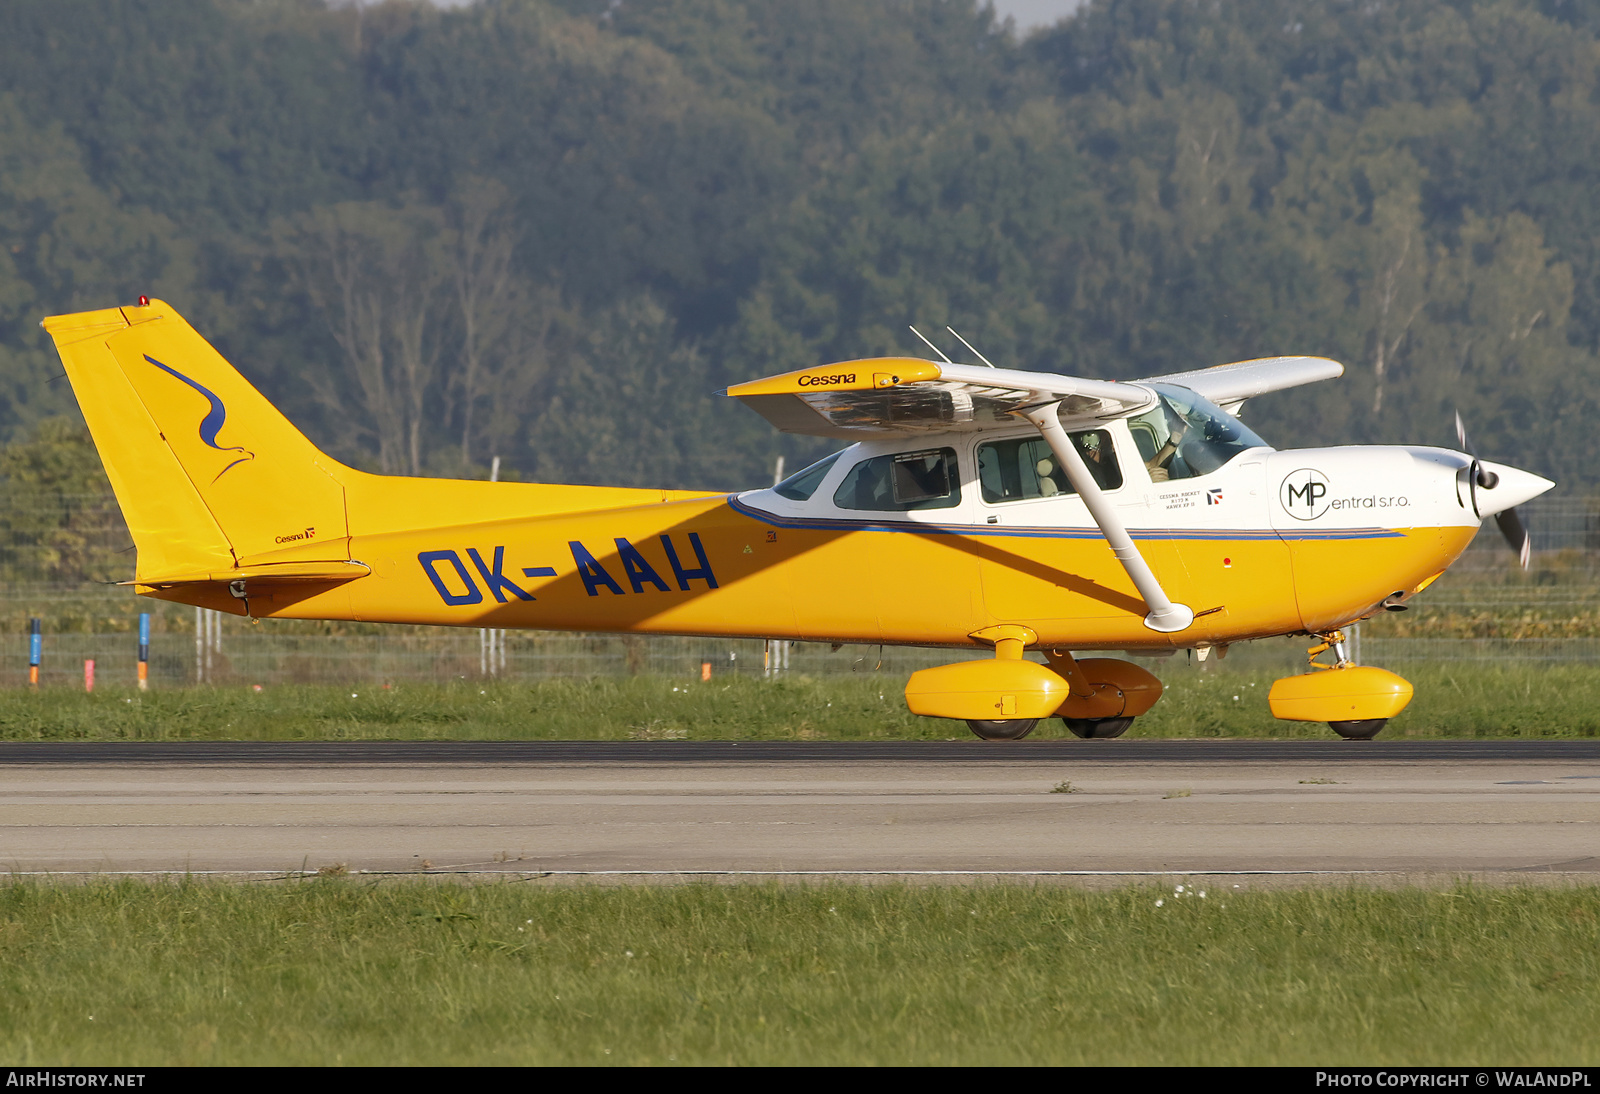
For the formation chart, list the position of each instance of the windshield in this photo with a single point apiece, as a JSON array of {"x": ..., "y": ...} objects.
[
  {"x": 802, "y": 484},
  {"x": 1186, "y": 435}
]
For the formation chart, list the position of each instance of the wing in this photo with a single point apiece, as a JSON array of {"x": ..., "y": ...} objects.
[
  {"x": 887, "y": 396},
  {"x": 1230, "y": 385}
]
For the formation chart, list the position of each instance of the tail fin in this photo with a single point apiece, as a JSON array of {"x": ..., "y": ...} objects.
[{"x": 208, "y": 473}]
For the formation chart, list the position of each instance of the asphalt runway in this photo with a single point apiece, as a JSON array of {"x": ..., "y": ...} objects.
[{"x": 1502, "y": 809}]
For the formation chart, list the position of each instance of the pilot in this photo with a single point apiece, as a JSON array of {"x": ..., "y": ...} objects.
[
  {"x": 1158, "y": 465},
  {"x": 1089, "y": 445}
]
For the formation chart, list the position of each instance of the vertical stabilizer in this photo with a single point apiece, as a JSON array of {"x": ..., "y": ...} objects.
[{"x": 208, "y": 473}]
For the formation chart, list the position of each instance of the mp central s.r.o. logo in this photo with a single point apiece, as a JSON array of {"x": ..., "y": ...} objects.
[{"x": 1304, "y": 494}]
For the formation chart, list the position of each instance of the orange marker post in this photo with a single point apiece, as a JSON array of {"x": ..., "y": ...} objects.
[
  {"x": 705, "y": 670},
  {"x": 144, "y": 650},
  {"x": 88, "y": 675}
]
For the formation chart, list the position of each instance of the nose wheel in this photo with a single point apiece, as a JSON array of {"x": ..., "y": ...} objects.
[
  {"x": 1338, "y": 691},
  {"x": 1008, "y": 729},
  {"x": 1363, "y": 729}
]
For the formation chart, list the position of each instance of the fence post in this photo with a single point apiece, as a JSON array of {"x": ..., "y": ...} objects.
[
  {"x": 207, "y": 644},
  {"x": 35, "y": 650},
  {"x": 144, "y": 651}
]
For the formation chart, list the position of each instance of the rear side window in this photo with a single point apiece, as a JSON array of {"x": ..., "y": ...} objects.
[
  {"x": 900, "y": 483},
  {"x": 1024, "y": 467}
]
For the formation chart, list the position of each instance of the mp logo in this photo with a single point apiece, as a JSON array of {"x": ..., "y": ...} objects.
[{"x": 1304, "y": 494}]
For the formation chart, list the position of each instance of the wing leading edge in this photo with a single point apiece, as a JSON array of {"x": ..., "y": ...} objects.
[
  {"x": 1230, "y": 385},
  {"x": 887, "y": 396}
]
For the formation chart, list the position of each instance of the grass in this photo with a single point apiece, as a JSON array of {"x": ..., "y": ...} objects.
[
  {"x": 336, "y": 971},
  {"x": 1452, "y": 700},
  {"x": 606, "y": 708}
]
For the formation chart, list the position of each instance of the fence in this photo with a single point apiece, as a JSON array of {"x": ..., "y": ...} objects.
[
  {"x": 1484, "y": 610},
  {"x": 435, "y": 655}
]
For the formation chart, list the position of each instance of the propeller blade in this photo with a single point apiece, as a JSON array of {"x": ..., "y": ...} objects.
[
  {"x": 1510, "y": 524},
  {"x": 1485, "y": 478},
  {"x": 1516, "y": 534}
]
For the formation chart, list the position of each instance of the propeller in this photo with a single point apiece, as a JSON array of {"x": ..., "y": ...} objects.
[{"x": 1510, "y": 525}]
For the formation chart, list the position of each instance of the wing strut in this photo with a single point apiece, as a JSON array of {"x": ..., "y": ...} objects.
[{"x": 1165, "y": 616}]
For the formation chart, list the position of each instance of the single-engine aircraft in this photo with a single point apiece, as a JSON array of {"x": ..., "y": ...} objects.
[{"x": 987, "y": 510}]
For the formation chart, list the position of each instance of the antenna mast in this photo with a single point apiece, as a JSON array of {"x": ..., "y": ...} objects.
[
  {"x": 968, "y": 344},
  {"x": 933, "y": 347}
]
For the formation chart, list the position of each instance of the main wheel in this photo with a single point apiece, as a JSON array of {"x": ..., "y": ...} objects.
[
  {"x": 1361, "y": 730},
  {"x": 1010, "y": 729},
  {"x": 1098, "y": 728}
]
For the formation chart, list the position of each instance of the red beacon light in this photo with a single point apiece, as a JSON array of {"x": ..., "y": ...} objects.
[{"x": 144, "y": 301}]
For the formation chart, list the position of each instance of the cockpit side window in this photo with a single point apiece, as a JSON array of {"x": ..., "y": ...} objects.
[
  {"x": 802, "y": 484},
  {"x": 902, "y": 482},
  {"x": 1024, "y": 467},
  {"x": 1186, "y": 436}
]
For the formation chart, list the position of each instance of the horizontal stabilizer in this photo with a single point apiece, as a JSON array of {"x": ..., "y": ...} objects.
[{"x": 285, "y": 573}]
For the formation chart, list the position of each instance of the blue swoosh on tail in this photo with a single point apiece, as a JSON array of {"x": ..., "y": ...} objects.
[{"x": 212, "y": 423}]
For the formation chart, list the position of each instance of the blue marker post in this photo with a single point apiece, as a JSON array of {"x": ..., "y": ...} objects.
[
  {"x": 35, "y": 650},
  {"x": 144, "y": 651}
]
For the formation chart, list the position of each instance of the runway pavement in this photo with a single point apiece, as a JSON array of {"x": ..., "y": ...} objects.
[{"x": 1501, "y": 808}]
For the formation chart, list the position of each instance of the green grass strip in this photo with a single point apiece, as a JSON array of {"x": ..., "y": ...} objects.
[
  {"x": 340, "y": 971},
  {"x": 1452, "y": 700}
]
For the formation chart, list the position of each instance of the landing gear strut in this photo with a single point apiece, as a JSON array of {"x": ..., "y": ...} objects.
[
  {"x": 1097, "y": 697},
  {"x": 1357, "y": 729}
]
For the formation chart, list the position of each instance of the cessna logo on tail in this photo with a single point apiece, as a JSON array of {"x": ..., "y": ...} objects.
[{"x": 1304, "y": 494}]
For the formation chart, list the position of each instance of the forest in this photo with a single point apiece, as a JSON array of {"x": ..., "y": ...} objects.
[{"x": 551, "y": 231}]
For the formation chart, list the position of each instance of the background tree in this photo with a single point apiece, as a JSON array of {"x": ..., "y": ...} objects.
[
  {"x": 58, "y": 522},
  {"x": 434, "y": 236},
  {"x": 379, "y": 276}
]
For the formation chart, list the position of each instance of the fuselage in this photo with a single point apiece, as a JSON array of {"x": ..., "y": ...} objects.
[
  {"x": 956, "y": 520},
  {"x": 1271, "y": 542}
]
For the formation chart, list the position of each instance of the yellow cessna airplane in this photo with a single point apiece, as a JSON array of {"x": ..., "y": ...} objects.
[{"x": 992, "y": 511}]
